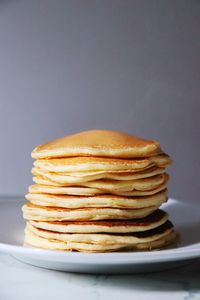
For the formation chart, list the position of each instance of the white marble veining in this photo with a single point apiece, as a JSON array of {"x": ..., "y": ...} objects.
[{"x": 19, "y": 281}]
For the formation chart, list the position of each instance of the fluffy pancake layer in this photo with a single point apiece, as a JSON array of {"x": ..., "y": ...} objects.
[
  {"x": 155, "y": 238},
  {"x": 70, "y": 201},
  {"x": 152, "y": 221},
  {"x": 42, "y": 213},
  {"x": 88, "y": 191},
  {"x": 98, "y": 143},
  {"x": 115, "y": 185},
  {"x": 76, "y": 178},
  {"x": 82, "y": 164}
]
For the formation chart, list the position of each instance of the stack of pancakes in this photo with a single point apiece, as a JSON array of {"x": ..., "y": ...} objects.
[{"x": 98, "y": 191}]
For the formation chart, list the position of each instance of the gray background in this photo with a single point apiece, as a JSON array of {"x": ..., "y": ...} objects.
[{"x": 66, "y": 66}]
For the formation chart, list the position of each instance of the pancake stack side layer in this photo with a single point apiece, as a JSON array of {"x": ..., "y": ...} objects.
[{"x": 98, "y": 191}]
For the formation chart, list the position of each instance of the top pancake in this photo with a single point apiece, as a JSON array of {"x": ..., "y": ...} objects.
[{"x": 104, "y": 143}]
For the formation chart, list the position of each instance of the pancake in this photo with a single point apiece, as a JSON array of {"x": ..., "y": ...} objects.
[
  {"x": 104, "y": 239},
  {"x": 116, "y": 185},
  {"x": 80, "y": 164},
  {"x": 87, "y": 191},
  {"x": 83, "y": 191},
  {"x": 71, "y": 178},
  {"x": 70, "y": 201},
  {"x": 105, "y": 143},
  {"x": 153, "y": 239},
  {"x": 43, "y": 213},
  {"x": 154, "y": 220}
]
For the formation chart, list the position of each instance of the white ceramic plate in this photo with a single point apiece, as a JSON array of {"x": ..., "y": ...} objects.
[{"x": 186, "y": 218}]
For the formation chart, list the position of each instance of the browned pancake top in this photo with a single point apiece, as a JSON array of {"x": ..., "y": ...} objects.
[
  {"x": 154, "y": 217},
  {"x": 158, "y": 230},
  {"x": 96, "y": 140}
]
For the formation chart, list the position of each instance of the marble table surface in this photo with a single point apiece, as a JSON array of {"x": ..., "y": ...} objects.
[{"x": 19, "y": 281}]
